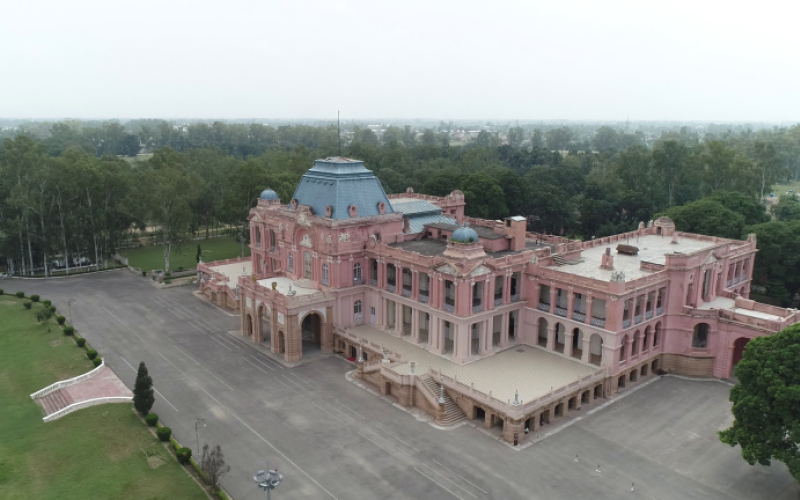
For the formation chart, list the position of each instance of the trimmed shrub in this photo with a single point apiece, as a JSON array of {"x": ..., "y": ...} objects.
[
  {"x": 34, "y": 298},
  {"x": 151, "y": 419},
  {"x": 20, "y": 294},
  {"x": 167, "y": 281},
  {"x": 180, "y": 269},
  {"x": 27, "y": 304},
  {"x": 97, "y": 362},
  {"x": 52, "y": 308},
  {"x": 184, "y": 455},
  {"x": 91, "y": 353},
  {"x": 81, "y": 342},
  {"x": 69, "y": 330},
  {"x": 46, "y": 303},
  {"x": 1, "y": 291},
  {"x": 163, "y": 434},
  {"x": 167, "y": 274},
  {"x": 61, "y": 320}
]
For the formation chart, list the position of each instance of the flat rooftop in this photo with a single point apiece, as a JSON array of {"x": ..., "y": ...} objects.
[
  {"x": 233, "y": 271},
  {"x": 431, "y": 247},
  {"x": 730, "y": 304},
  {"x": 532, "y": 371},
  {"x": 652, "y": 249},
  {"x": 285, "y": 283}
]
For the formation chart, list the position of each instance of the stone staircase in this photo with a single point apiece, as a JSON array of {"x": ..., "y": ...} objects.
[
  {"x": 452, "y": 413},
  {"x": 55, "y": 401},
  {"x": 559, "y": 260}
]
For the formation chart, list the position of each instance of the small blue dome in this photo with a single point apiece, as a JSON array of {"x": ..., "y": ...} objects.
[
  {"x": 269, "y": 194},
  {"x": 464, "y": 235}
]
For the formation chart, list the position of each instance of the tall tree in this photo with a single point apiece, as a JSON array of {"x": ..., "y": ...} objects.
[
  {"x": 143, "y": 393},
  {"x": 766, "y": 399},
  {"x": 669, "y": 162}
]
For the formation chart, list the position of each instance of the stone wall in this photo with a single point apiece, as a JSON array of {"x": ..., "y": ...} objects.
[{"x": 690, "y": 366}]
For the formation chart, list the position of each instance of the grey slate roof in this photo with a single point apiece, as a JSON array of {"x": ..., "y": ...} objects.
[
  {"x": 416, "y": 224},
  {"x": 341, "y": 182},
  {"x": 416, "y": 207}
]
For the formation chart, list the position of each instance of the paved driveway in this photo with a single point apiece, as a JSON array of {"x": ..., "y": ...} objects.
[{"x": 334, "y": 440}]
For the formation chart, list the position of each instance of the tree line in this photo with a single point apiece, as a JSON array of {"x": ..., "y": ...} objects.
[{"x": 71, "y": 193}]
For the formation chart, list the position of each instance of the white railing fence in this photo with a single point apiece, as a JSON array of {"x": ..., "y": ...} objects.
[
  {"x": 85, "y": 404},
  {"x": 66, "y": 383}
]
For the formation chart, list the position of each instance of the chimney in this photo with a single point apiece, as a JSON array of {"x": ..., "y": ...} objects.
[
  {"x": 607, "y": 261},
  {"x": 515, "y": 228}
]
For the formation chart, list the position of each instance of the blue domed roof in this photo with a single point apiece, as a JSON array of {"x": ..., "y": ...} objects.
[
  {"x": 268, "y": 194},
  {"x": 464, "y": 235}
]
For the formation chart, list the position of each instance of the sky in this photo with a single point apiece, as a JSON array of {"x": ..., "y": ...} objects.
[{"x": 699, "y": 60}]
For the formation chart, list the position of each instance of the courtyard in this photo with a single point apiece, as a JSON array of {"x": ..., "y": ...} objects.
[{"x": 332, "y": 439}]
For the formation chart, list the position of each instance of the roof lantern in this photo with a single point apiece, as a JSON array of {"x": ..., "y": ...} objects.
[{"x": 268, "y": 194}]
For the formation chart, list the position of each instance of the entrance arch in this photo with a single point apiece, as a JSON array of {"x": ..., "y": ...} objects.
[
  {"x": 265, "y": 320},
  {"x": 247, "y": 327},
  {"x": 311, "y": 330},
  {"x": 739, "y": 346},
  {"x": 596, "y": 349}
]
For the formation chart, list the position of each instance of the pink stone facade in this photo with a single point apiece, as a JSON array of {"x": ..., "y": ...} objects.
[{"x": 682, "y": 308}]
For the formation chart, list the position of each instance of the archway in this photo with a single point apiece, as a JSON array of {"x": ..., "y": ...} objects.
[
  {"x": 560, "y": 337},
  {"x": 577, "y": 343},
  {"x": 311, "y": 329},
  {"x": 281, "y": 347},
  {"x": 542, "y": 338},
  {"x": 700, "y": 335},
  {"x": 596, "y": 349},
  {"x": 247, "y": 328},
  {"x": 264, "y": 318},
  {"x": 739, "y": 346}
]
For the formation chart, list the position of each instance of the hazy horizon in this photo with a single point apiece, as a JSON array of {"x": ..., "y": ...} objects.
[{"x": 574, "y": 61}]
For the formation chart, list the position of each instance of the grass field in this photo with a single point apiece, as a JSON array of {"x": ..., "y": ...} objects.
[
  {"x": 781, "y": 189},
  {"x": 152, "y": 257},
  {"x": 92, "y": 453}
]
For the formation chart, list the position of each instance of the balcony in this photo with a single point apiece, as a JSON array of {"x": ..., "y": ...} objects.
[
  {"x": 659, "y": 311},
  {"x": 449, "y": 307},
  {"x": 626, "y": 323},
  {"x": 406, "y": 292},
  {"x": 579, "y": 316},
  {"x": 730, "y": 283},
  {"x": 373, "y": 282},
  {"x": 391, "y": 287},
  {"x": 498, "y": 301},
  {"x": 600, "y": 323},
  {"x": 543, "y": 307},
  {"x": 358, "y": 281},
  {"x": 423, "y": 297},
  {"x": 477, "y": 308},
  {"x": 637, "y": 319},
  {"x": 561, "y": 312},
  {"x": 515, "y": 297},
  {"x": 649, "y": 314}
]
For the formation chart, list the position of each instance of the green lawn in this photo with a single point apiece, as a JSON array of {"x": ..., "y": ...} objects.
[
  {"x": 152, "y": 257},
  {"x": 92, "y": 453}
]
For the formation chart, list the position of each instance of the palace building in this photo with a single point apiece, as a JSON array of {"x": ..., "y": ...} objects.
[{"x": 481, "y": 319}]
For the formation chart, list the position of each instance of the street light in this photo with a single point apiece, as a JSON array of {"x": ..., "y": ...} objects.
[
  {"x": 268, "y": 480},
  {"x": 197, "y": 436}
]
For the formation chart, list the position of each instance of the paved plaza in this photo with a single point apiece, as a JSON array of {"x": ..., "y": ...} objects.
[{"x": 334, "y": 440}]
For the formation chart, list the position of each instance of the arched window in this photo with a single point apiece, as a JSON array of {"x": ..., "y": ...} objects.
[
  {"x": 358, "y": 318},
  {"x": 657, "y": 335},
  {"x": 357, "y": 272},
  {"x": 357, "y": 307},
  {"x": 635, "y": 344},
  {"x": 622, "y": 348},
  {"x": 700, "y": 336},
  {"x": 291, "y": 262},
  {"x": 324, "y": 274}
]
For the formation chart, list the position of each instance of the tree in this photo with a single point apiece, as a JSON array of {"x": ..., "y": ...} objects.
[
  {"x": 746, "y": 205},
  {"x": 213, "y": 464},
  {"x": 485, "y": 199},
  {"x": 787, "y": 208},
  {"x": 766, "y": 399},
  {"x": 777, "y": 265},
  {"x": 199, "y": 253},
  {"x": 669, "y": 162},
  {"x": 716, "y": 160},
  {"x": 143, "y": 397},
  {"x": 707, "y": 217}
]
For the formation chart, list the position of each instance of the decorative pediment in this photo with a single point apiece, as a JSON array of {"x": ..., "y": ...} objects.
[
  {"x": 711, "y": 258},
  {"x": 447, "y": 269},
  {"x": 479, "y": 271}
]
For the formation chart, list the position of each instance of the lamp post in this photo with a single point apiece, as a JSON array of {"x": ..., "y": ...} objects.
[
  {"x": 268, "y": 480},
  {"x": 197, "y": 435}
]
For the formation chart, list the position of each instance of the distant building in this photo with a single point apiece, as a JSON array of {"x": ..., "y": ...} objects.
[{"x": 481, "y": 319}]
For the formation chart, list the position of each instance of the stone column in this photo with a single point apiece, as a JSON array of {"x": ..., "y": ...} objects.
[
  {"x": 504, "y": 330},
  {"x": 553, "y": 299},
  {"x": 568, "y": 342},
  {"x": 415, "y": 325},
  {"x": 589, "y": 304},
  {"x": 488, "y": 294},
  {"x": 415, "y": 285},
  {"x": 551, "y": 337},
  {"x": 587, "y": 342},
  {"x": 511, "y": 427},
  {"x": 398, "y": 280},
  {"x": 570, "y": 304}
]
